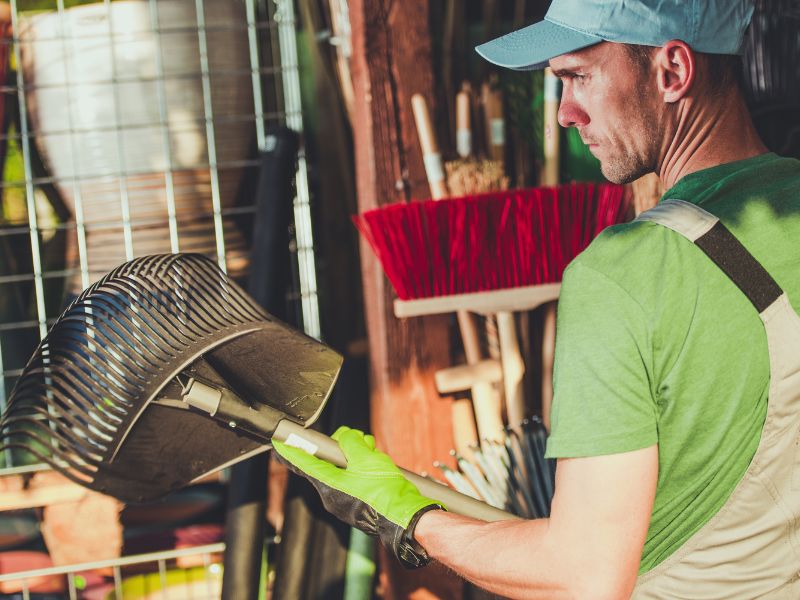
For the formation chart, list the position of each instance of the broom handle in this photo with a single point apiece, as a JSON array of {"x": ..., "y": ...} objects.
[
  {"x": 513, "y": 367},
  {"x": 430, "y": 150},
  {"x": 548, "y": 359},
  {"x": 465, "y": 432},
  {"x": 487, "y": 407},
  {"x": 549, "y": 178},
  {"x": 495, "y": 122},
  {"x": 463, "y": 125},
  {"x": 484, "y": 396},
  {"x": 324, "y": 447},
  {"x": 510, "y": 355},
  {"x": 551, "y": 134},
  {"x": 488, "y": 412},
  {"x": 646, "y": 192}
]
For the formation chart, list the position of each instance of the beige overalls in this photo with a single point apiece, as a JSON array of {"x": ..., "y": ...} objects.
[{"x": 751, "y": 547}]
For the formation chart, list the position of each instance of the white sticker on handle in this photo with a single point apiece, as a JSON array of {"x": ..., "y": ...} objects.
[
  {"x": 498, "y": 128},
  {"x": 433, "y": 167},
  {"x": 551, "y": 88},
  {"x": 464, "y": 142},
  {"x": 296, "y": 441}
]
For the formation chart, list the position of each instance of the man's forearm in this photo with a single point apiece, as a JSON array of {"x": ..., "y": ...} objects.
[
  {"x": 491, "y": 554},
  {"x": 589, "y": 548}
]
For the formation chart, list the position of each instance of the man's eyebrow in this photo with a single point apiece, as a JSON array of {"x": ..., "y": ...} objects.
[{"x": 566, "y": 72}]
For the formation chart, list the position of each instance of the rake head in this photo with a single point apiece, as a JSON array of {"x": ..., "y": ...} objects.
[{"x": 102, "y": 400}]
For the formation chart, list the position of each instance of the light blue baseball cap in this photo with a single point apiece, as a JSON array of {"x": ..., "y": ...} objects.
[{"x": 712, "y": 26}]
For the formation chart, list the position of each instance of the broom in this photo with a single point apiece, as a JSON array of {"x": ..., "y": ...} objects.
[{"x": 502, "y": 251}]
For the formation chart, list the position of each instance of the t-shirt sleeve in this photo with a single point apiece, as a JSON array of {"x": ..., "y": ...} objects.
[{"x": 603, "y": 401}]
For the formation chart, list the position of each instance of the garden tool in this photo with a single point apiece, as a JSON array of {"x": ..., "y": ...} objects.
[{"x": 165, "y": 371}]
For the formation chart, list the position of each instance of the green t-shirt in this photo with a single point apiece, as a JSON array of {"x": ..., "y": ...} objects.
[{"x": 655, "y": 344}]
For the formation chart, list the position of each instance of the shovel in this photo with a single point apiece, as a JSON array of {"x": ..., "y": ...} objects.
[{"x": 165, "y": 371}]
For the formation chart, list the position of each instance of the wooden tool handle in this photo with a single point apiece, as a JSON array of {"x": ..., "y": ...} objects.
[
  {"x": 430, "y": 150},
  {"x": 465, "y": 430},
  {"x": 322, "y": 446},
  {"x": 551, "y": 132},
  {"x": 548, "y": 358},
  {"x": 495, "y": 121},
  {"x": 463, "y": 377},
  {"x": 513, "y": 367},
  {"x": 463, "y": 124},
  {"x": 485, "y": 400},
  {"x": 550, "y": 176},
  {"x": 647, "y": 190}
]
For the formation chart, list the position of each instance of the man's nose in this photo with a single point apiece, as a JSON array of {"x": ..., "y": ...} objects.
[{"x": 571, "y": 115}]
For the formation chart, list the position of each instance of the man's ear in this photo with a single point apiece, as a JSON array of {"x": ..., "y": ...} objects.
[{"x": 675, "y": 69}]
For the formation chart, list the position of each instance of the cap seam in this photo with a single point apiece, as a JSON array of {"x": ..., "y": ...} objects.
[
  {"x": 570, "y": 27},
  {"x": 695, "y": 22}
]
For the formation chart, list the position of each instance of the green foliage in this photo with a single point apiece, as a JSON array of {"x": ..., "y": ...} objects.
[
  {"x": 577, "y": 163},
  {"x": 12, "y": 201},
  {"x": 525, "y": 104},
  {"x": 524, "y": 95}
]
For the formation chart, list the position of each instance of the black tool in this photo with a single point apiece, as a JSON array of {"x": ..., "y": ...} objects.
[{"x": 164, "y": 371}]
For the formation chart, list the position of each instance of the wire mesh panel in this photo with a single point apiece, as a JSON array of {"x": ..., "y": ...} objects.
[
  {"x": 194, "y": 572},
  {"x": 132, "y": 127}
]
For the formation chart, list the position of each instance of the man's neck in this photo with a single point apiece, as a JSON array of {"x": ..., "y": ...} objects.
[{"x": 706, "y": 135}]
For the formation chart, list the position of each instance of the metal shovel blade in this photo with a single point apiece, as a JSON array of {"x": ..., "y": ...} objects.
[{"x": 101, "y": 398}]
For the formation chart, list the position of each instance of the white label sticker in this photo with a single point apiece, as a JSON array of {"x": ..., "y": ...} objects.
[
  {"x": 464, "y": 142},
  {"x": 433, "y": 167},
  {"x": 498, "y": 132},
  {"x": 296, "y": 441},
  {"x": 551, "y": 88}
]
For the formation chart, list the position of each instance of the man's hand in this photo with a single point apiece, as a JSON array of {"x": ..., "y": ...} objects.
[{"x": 371, "y": 494}]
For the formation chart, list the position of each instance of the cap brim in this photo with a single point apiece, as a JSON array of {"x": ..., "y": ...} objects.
[{"x": 533, "y": 46}]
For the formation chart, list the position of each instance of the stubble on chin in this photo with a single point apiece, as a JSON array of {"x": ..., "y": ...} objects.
[
  {"x": 629, "y": 165},
  {"x": 626, "y": 169}
]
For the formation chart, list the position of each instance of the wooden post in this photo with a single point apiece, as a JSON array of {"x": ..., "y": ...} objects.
[{"x": 391, "y": 62}]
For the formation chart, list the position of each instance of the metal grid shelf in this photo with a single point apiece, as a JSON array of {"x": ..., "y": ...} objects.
[
  {"x": 36, "y": 238},
  {"x": 210, "y": 586}
]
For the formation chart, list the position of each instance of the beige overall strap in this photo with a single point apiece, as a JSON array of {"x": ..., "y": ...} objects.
[
  {"x": 712, "y": 237},
  {"x": 751, "y": 547},
  {"x": 689, "y": 220}
]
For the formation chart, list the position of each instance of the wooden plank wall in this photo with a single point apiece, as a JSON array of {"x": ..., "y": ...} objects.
[{"x": 391, "y": 62}]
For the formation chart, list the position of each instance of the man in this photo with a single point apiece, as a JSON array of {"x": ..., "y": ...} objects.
[{"x": 677, "y": 409}]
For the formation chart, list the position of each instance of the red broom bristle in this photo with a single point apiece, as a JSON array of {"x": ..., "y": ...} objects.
[{"x": 488, "y": 242}]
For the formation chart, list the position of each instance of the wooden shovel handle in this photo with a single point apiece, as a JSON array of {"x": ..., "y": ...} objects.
[{"x": 327, "y": 449}]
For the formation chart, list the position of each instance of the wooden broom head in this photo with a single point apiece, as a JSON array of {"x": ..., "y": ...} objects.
[
  {"x": 490, "y": 241},
  {"x": 100, "y": 399}
]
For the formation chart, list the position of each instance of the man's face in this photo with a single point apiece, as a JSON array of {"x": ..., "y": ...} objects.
[{"x": 611, "y": 101}]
